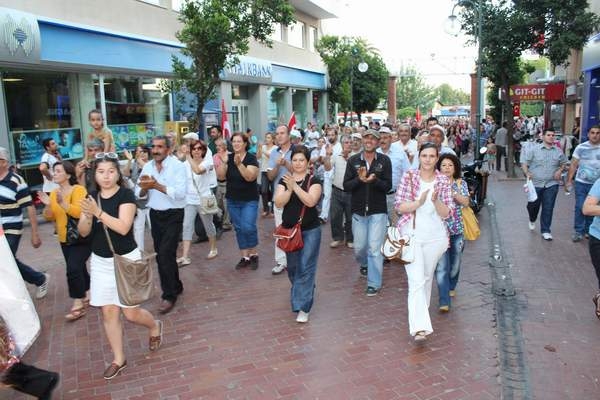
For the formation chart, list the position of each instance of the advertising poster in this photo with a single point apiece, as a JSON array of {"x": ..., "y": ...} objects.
[
  {"x": 28, "y": 144},
  {"x": 128, "y": 136}
]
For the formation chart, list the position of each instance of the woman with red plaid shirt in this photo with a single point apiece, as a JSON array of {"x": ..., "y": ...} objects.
[{"x": 424, "y": 198}]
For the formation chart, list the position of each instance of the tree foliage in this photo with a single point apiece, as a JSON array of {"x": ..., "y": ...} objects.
[
  {"x": 510, "y": 27},
  {"x": 342, "y": 56},
  {"x": 449, "y": 96},
  {"x": 413, "y": 91},
  {"x": 215, "y": 33}
]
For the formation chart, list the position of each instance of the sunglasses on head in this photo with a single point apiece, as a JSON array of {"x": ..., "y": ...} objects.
[{"x": 107, "y": 156}]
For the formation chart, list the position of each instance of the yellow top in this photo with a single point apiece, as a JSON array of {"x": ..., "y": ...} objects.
[{"x": 59, "y": 214}]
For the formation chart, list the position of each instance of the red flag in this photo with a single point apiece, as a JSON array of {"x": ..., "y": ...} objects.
[
  {"x": 225, "y": 121},
  {"x": 418, "y": 116},
  {"x": 292, "y": 122}
]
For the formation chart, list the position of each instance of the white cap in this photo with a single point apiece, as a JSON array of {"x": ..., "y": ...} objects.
[
  {"x": 385, "y": 129},
  {"x": 190, "y": 135},
  {"x": 439, "y": 128},
  {"x": 4, "y": 154},
  {"x": 295, "y": 133}
]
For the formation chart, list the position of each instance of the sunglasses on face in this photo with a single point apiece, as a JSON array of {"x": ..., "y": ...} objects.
[{"x": 107, "y": 156}]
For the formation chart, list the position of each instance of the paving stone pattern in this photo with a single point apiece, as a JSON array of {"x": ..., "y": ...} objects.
[{"x": 232, "y": 334}]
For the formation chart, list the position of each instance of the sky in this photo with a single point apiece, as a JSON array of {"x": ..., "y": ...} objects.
[{"x": 407, "y": 32}]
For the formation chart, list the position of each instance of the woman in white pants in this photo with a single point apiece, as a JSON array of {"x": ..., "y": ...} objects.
[
  {"x": 142, "y": 215},
  {"x": 424, "y": 198},
  {"x": 201, "y": 178}
]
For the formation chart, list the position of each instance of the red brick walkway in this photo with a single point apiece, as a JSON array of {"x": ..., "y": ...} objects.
[{"x": 232, "y": 334}]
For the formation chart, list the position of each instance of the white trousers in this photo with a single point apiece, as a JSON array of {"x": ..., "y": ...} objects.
[
  {"x": 420, "y": 275},
  {"x": 279, "y": 254},
  {"x": 139, "y": 226},
  {"x": 326, "y": 203}
]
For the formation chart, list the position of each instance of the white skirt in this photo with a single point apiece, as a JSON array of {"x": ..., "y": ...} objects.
[{"x": 103, "y": 285}]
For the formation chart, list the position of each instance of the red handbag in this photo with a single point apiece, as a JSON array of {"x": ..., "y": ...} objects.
[{"x": 290, "y": 239}]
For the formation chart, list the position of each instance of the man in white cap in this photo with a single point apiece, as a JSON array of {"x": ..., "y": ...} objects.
[
  {"x": 437, "y": 134},
  {"x": 14, "y": 197}
]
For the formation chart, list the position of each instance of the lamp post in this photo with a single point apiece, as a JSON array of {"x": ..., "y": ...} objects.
[
  {"x": 362, "y": 68},
  {"x": 453, "y": 27}
]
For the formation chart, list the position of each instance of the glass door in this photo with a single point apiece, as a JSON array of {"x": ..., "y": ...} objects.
[{"x": 240, "y": 115}]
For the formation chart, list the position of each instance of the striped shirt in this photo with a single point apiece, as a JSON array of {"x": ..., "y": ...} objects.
[{"x": 14, "y": 197}]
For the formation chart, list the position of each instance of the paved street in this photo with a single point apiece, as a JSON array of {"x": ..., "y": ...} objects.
[{"x": 232, "y": 335}]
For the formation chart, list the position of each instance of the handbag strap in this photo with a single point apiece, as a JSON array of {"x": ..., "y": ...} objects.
[
  {"x": 110, "y": 244},
  {"x": 304, "y": 205},
  {"x": 412, "y": 190}
]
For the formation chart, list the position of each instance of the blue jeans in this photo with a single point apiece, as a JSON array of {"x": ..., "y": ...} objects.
[
  {"x": 448, "y": 268},
  {"x": 546, "y": 199},
  {"x": 243, "y": 217},
  {"x": 28, "y": 274},
  {"x": 581, "y": 223},
  {"x": 302, "y": 270},
  {"x": 369, "y": 232}
]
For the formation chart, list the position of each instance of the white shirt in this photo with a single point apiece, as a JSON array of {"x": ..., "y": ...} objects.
[
  {"x": 173, "y": 177},
  {"x": 49, "y": 159},
  {"x": 312, "y": 138},
  {"x": 199, "y": 184},
  {"x": 400, "y": 163},
  {"x": 428, "y": 224},
  {"x": 337, "y": 150}
]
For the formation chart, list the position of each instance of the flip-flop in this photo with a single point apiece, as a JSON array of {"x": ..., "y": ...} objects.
[
  {"x": 75, "y": 314},
  {"x": 596, "y": 300}
]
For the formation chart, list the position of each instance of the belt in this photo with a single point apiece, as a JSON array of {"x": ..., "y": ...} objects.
[{"x": 391, "y": 192}]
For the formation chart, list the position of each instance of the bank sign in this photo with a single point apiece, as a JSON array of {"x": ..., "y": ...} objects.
[
  {"x": 249, "y": 70},
  {"x": 20, "y": 39},
  {"x": 549, "y": 92}
]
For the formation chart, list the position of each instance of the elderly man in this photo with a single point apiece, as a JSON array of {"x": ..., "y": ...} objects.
[
  {"x": 408, "y": 145},
  {"x": 368, "y": 178},
  {"x": 400, "y": 165},
  {"x": 437, "y": 134},
  {"x": 85, "y": 168},
  {"x": 334, "y": 147}
]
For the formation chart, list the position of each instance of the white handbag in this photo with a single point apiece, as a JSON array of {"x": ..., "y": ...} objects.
[{"x": 397, "y": 246}]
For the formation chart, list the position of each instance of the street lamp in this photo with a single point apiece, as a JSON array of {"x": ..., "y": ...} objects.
[
  {"x": 362, "y": 68},
  {"x": 452, "y": 26}
]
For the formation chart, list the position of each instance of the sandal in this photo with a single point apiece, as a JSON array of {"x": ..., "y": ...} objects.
[
  {"x": 76, "y": 313},
  {"x": 596, "y": 300},
  {"x": 212, "y": 254},
  {"x": 113, "y": 370},
  {"x": 155, "y": 341},
  {"x": 420, "y": 336}
]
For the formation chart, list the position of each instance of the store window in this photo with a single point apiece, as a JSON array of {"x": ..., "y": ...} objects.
[
  {"x": 42, "y": 105},
  {"x": 296, "y": 34},
  {"x": 313, "y": 38},
  {"x": 136, "y": 109},
  {"x": 276, "y": 97},
  {"x": 299, "y": 107},
  {"x": 276, "y": 35}
]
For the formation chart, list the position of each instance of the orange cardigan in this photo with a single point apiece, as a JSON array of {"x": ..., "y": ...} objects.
[{"x": 59, "y": 214}]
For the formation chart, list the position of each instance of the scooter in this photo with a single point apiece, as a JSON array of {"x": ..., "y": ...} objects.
[{"x": 474, "y": 179}]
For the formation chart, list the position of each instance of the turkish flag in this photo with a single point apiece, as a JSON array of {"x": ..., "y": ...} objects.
[
  {"x": 224, "y": 121},
  {"x": 418, "y": 116},
  {"x": 292, "y": 122}
]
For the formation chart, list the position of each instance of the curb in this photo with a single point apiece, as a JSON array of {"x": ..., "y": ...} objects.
[{"x": 514, "y": 374}]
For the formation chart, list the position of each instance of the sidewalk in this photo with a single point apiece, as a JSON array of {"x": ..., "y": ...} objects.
[
  {"x": 232, "y": 335},
  {"x": 555, "y": 282}
]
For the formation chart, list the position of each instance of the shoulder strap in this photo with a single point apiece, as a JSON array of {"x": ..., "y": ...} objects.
[
  {"x": 304, "y": 205},
  {"x": 412, "y": 190},
  {"x": 110, "y": 244}
]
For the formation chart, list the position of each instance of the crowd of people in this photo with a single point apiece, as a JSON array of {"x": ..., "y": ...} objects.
[{"x": 359, "y": 180}]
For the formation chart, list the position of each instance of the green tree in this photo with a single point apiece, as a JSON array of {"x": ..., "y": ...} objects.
[
  {"x": 412, "y": 91},
  {"x": 510, "y": 27},
  {"x": 351, "y": 89},
  {"x": 215, "y": 33},
  {"x": 406, "y": 112},
  {"x": 449, "y": 96}
]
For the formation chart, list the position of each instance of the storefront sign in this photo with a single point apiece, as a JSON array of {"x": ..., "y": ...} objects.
[
  {"x": 128, "y": 136},
  {"x": 550, "y": 92},
  {"x": 249, "y": 70},
  {"x": 20, "y": 39},
  {"x": 28, "y": 144}
]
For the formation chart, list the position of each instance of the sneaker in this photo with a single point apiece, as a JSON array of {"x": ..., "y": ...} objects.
[
  {"x": 547, "y": 236},
  {"x": 42, "y": 290},
  {"x": 212, "y": 254},
  {"x": 335, "y": 243},
  {"x": 371, "y": 291},
  {"x": 244, "y": 262},
  {"x": 420, "y": 336},
  {"x": 113, "y": 370},
  {"x": 302, "y": 317},
  {"x": 444, "y": 309},
  {"x": 531, "y": 225},
  {"x": 278, "y": 269},
  {"x": 364, "y": 271},
  {"x": 253, "y": 264},
  {"x": 452, "y": 293},
  {"x": 350, "y": 245},
  {"x": 183, "y": 261},
  {"x": 577, "y": 237}
]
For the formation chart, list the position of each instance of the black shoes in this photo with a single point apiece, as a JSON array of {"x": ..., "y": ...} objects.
[
  {"x": 253, "y": 263},
  {"x": 243, "y": 263},
  {"x": 364, "y": 271}
]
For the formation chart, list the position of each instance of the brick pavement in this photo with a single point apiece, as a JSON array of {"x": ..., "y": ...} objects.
[
  {"x": 232, "y": 335},
  {"x": 554, "y": 282}
]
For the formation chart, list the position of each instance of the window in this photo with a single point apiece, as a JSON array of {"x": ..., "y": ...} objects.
[
  {"x": 276, "y": 35},
  {"x": 275, "y": 107},
  {"x": 296, "y": 34},
  {"x": 313, "y": 38},
  {"x": 176, "y": 5}
]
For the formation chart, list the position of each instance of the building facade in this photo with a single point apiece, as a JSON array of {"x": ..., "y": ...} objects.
[{"x": 59, "y": 59}]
